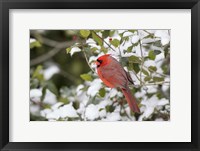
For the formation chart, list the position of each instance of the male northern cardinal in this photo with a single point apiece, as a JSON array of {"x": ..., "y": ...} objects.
[{"x": 113, "y": 75}]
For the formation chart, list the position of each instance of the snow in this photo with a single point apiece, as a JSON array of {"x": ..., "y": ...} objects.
[
  {"x": 92, "y": 112},
  {"x": 102, "y": 113},
  {"x": 35, "y": 94},
  {"x": 56, "y": 106},
  {"x": 113, "y": 93},
  {"x": 49, "y": 72},
  {"x": 92, "y": 58},
  {"x": 114, "y": 116},
  {"x": 167, "y": 107},
  {"x": 140, "y": 93},
  {"x": 152, "y": 89},
  {"x": 79, "y": 89},
  {"x": 94, "y": 87},
  {"x": 32, "y": 40},
  {"x": 74, "y": 50},
  {"x": 68, "y": 111},
  {"x": 53, "y": 115},
  {"x": 34, "y": 109},
  {"x": 163, "y": 102},
  {"x": 149, "y": 63},
  {"x": 127, "y": 34},
  {"x": 159, "y": 57},
  {"x": 92, "y": 43},
  {"x": 135, "y": 39},
  {"x": 121, "y": 31},
  {"x": 159, "y": 119},
  {"x": 104, "y": 103},
  {"x": 49, "y": 98},
  {"x": 81, "y": 108},
  {"x": 45, "y": 112},
  {"x": 163, "y": 34},
  {"x": 150, "y": 104}
]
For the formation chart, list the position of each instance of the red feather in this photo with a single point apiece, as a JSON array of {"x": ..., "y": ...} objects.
[{"x": 113, "y": 75}]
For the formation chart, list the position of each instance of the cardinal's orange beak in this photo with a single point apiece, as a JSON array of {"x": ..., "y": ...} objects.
[{"x": 97, "y": 63}]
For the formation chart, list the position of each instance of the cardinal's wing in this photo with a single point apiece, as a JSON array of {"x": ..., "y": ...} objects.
[{"x": 114, "y": 74}]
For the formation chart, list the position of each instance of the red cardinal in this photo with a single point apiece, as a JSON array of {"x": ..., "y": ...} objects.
[{"x": 113, "y": 75}]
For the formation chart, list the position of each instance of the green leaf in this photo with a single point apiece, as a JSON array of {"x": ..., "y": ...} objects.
[
  {"x": 147, "y": 78},
  {"x": 151, "y": 55},
  {"x": 97, "y": 39},
  {"x": 102, "y": 92},
  {"x": 38, "y": 73},
  {"x": 135, "y": 44},
  {"x": 101, "y": 109},
  {"x": 105, "y": 50},
  {"x": 145, "y": 72},
  {"x": 34, "y": 83},
  {"x": 111, "y": 33},
  {"x": 86, "y": 77},
  {"x": 64, "y": 100},
  {"x": 51, "y": 86},
  {"x": 152, "y": 68},
  {"x": 84, "y": 33},
  {"x": 134, "y": 59},
  {"x": 94, "y": 49},
  {"x": 130, "y": 48},
  {"x": 43, "y": 92},
  {"x": 136, "y": 67},
  {"x": 132, "y": 31},
  {"x": 110, "y": 108},
  {"x": 105, "y": 33},
  {"x": 115, "y": 42},
  {"x": 68, "y": 50},
  {"x": 158, "y": 79},
  {"x": 35, "y": 44}
]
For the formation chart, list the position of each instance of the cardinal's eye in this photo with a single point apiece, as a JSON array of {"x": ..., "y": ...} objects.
[{"x": 100, "y": 61}]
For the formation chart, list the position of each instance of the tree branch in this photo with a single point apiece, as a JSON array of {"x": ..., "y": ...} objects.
[
  {"x": 58, "y": 46},
  {"x": 87, "y": 60}
]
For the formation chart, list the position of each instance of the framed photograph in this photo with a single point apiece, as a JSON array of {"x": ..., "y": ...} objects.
[{"x": 102, "y": 75}]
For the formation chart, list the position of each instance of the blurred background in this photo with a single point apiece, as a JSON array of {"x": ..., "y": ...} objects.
[{"x": 64, "y": 85}]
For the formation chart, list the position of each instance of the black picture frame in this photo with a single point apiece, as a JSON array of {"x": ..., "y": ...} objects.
[{"x": 5, "y": 5}]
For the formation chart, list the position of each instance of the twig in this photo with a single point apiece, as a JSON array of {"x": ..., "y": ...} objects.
[
  {"x": 148, "y": 32},
  {"x": 87, "y": 60},
  {"x": 103, "y": 40}
]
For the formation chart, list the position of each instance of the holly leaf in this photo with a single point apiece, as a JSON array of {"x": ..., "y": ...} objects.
[
  {"x": 158, "y": 79},
  {"x": 152, "y": 68},
  {"x": 145, "y": 72},
  {"x": 86, "y": 77},
  {"x": 134, "y": 59},
  {"x": 115, "y": 42},
  {"x": 151, "y": 55},
  {"x": 84, "y": 33},
  {"x": 97, "y": 39},
  {"x": 68, "y": 50},
  {"x": 102, "y": 92}
]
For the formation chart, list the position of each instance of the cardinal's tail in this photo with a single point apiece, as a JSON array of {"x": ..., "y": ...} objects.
[{"x": 131, "y": 100}]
